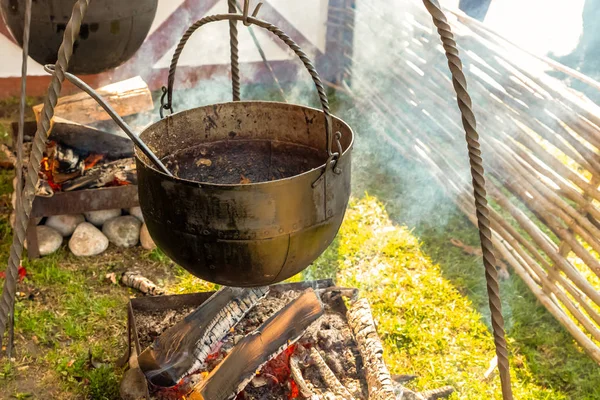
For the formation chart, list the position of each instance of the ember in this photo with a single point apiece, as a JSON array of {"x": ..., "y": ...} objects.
[
  {"x": 279, "y": 367},
  {"x": 92, "y": 160},
  {"x": 46, "y": 173}
]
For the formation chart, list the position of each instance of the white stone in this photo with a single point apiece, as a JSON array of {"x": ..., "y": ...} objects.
[
  {"x": 49, "y": 240},
  {"x": 123, "y": 231},
  {"x": 99, "y": 217},
  {"x": 146, "y": 239},
  {"x": 65, "y": 224},
  {"x": 136, "y": 212},
  {"x": 87, "y": 240}
]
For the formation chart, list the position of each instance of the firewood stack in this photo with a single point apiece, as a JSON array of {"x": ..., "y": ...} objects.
[
  {"x": 85, "y": 150},
  {"x": 274, "y": 343}
]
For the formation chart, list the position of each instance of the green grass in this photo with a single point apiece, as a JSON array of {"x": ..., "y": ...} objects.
[{"x": 430, "y": 316}]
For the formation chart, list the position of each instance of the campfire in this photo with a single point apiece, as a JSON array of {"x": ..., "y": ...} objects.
[
  {"x": 284, "y": 342},
  {"x": 83, "y": 152},
  {"x": 65, "y": 169}
]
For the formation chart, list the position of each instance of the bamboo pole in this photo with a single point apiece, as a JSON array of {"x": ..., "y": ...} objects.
[{"x": 588, "y": 345}]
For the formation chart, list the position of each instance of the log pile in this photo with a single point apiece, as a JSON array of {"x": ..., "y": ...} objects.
[
  {"x": 85, "y": 151},
  {"x": 540, "y": 140}
]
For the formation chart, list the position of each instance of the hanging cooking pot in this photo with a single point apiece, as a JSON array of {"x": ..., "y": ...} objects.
[
  {"x": 245, "y": 193},
  {"x": 111, "y": 32}
]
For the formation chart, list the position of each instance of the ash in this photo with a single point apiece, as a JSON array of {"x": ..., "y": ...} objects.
[
  {"x": 330, "y": 334},
  {"x": 151, "y": 324}
]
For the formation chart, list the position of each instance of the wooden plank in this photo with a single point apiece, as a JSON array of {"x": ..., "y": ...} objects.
[{"x": 127, "y": 97}]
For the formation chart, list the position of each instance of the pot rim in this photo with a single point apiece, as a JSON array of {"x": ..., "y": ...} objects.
[{"x": 151, "y": 167}]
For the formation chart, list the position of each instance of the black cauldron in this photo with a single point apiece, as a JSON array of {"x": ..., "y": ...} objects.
[
  {"x": 254, "y": 191},
  {"x": 112, "y": 30}
]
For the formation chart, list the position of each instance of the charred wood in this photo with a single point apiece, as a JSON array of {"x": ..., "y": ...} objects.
[
  {"x": 296, "y": 373},
  {"x": 90, "y": 140},
  {"x": 328, "y": 376},
  {"x": 135, "y": 280},
  {"x": 183, "y": 348},
  {"x": 401, "y": 379},
  {"x": 43, "y": 189},
  {"x": 256, "y": 349},
  {"x": 403, "y": 393},
  {"x": 379, "y": 380},
  {"x": 440, "y": 393},
  {"x": 103, "y": 175}
]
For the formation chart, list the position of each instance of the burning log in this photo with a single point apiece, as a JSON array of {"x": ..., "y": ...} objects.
[
  {"x": 135, "y": 280},
  {"x": 329, "y": 377},
  {"x": 379, "y": 380},
  {"x": 109, "y": 173},
  {"x": 183, "y": 348},
  {"x": 256, "y": 349},
  {"x": 127, "y": 97}
]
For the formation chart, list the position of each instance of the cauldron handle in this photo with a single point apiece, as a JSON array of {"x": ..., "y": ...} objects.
[
  {"x": 292, "y": 45},
  {"x": 139, "y": 143}
]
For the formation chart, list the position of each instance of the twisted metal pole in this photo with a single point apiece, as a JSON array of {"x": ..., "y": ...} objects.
[
  {"x": 483, "y": 221},
  {"x": 39, "y": 144},
  {"x": 19, "y": 147},
  {"x": 235, "y": 59}
]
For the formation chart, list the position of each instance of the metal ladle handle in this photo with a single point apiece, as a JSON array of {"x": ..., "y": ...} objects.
[
  {"x": 247, "y": 20},
  {"x": 139, "y": 143}
]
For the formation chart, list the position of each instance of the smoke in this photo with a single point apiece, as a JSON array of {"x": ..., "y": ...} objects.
[{"x": 402, "y": 106}]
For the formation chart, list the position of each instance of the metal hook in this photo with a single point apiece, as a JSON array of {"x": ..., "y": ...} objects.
[
  {"x": 336, "y": 169},
  {"x": 247, "y": 9},
  {"x": 164, "y": 106}
]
